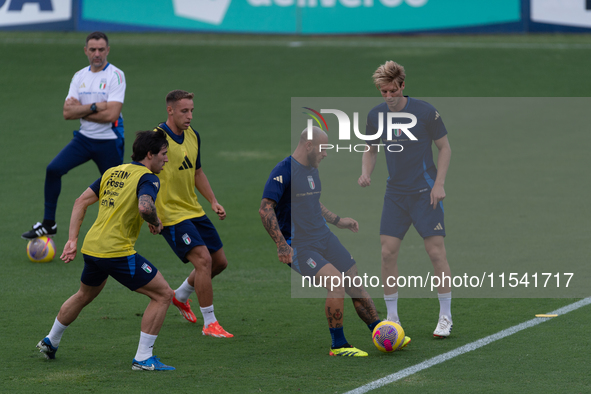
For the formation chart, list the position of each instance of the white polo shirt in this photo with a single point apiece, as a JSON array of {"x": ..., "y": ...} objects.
[{"x": 105, "y": 85}]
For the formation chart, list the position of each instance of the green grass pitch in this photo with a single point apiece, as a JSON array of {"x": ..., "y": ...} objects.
[{"x": 243, "y": 88}]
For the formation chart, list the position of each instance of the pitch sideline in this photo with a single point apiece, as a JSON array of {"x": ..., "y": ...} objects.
[
  {"x": 297, "y": 42},
  {"x": 466, "y": 348}
]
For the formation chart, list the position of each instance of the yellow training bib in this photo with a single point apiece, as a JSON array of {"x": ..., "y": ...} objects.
[
  {"x": 177, "y": 200},
  {"x": 118, "y": 223}
]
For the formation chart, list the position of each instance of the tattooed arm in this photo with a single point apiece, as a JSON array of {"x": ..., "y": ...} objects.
[
  {"x": 78, "y": 212},
  {"x": 148, "y": 211},
  {"x": 330, "y": 217},
  {"x": 269, "y": 219}
]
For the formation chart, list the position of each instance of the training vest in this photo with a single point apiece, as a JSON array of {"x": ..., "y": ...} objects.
[
  {"x": 177, "y": 200},
  {"x": 118, "y": 223}
]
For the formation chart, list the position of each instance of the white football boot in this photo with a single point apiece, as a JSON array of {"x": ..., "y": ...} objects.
[{"x": 444, "y": 326}]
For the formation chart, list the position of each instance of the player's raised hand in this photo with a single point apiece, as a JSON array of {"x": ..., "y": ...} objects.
[
  {"x": 437, "y": 194},
  {"x": 349, "y": 223},
  {"x": 217, "y": 208},
  {"x": 69, "y": 252},
  {"x": 364, "y": 180},
  {"x": 284, "y": 252}
]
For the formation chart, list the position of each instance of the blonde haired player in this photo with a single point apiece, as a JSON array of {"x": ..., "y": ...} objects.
[{"x": 414, "y": 192}]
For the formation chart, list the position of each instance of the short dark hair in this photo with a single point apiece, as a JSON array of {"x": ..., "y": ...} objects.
[
  {"x": 97, "y": 35},
  {"x": 148, "y": 141},
  {"x": 178, "y": 95}
]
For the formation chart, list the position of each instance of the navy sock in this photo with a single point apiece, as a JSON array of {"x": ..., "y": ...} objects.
[
  {"x": 338, "y": 337},
  {"x": 373, "y": 325},
  {"x": 48, "y": 223}
]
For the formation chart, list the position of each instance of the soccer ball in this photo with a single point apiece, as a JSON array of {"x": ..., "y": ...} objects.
[
  {"x": 388, "y": 336},
  {"x": 41, "y": 250}
]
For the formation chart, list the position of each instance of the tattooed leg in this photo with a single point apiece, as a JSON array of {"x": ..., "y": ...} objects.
[
  {"x": 334, "y": 312},
  {"x": 334, "y": 298},
  {"x": 363, "y": 303},
  {"x": 366, "y": 310}
]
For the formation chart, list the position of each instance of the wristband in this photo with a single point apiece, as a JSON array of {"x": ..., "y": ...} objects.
[{"x": 336, "y": 220}]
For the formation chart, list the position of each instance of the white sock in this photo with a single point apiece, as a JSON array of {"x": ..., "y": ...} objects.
[
  {"x": 208, "y": 315},
  {"x": 55, "y": 335},
  {"x": 445, "y": 304},
  {"x": 184, "y": 291},
  {"x": 144, "y": 349},
  {"x": 392, "y": 306}
]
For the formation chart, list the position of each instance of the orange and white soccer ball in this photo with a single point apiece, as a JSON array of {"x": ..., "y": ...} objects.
[
  {"x": 41, "y": 250},
  {"x": 388, "y": 336}
]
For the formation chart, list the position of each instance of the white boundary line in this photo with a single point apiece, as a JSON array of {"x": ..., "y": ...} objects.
[{"x": 466, "y": 348}]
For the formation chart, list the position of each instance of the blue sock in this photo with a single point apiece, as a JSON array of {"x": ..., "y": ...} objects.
[
  {"x": 338, "y": 337},
  {"x": 373, "y": 325}
]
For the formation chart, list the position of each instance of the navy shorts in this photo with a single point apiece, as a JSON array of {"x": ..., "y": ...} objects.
[
  {"x": 105, "y": 153},
  {"x": 132, "y": 271},
  {"x": 184, "y": 236},
  {"x": 310, "y": 258},
  {"x": 400, "y": 211}
]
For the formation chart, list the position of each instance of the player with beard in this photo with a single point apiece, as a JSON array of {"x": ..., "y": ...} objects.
[{"x": 297, "y": 222}]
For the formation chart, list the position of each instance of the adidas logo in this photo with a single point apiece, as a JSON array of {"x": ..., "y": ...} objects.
[
  {"x": 438, "y": 227},
  {"x": 279, "y": 178},
  {"x": 186, "y": 164}
]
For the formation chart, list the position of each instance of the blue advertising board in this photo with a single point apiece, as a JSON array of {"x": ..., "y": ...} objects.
[
  {"x": 297, "y": 16},
  {"x": 37, "y": 15}
]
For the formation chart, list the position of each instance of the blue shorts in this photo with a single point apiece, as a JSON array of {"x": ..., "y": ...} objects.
[
  {"x": 184, "y": 236},
  {"x": 310, "y": 258},
  {"x": 132, "y": 271},
  {"x": 401, "y": 210}
]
